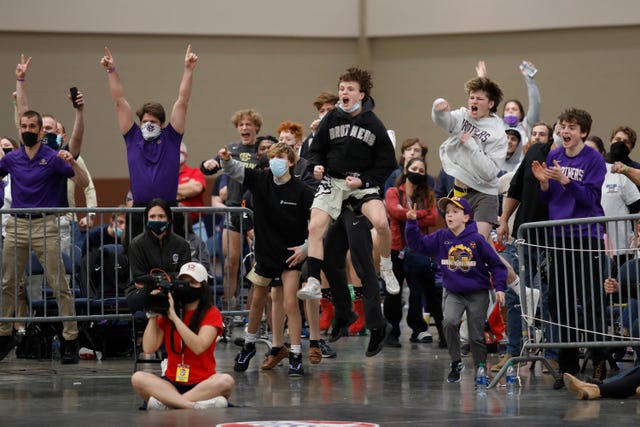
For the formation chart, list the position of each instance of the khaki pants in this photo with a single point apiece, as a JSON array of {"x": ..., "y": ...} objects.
[{"x": 43, "y": 233}]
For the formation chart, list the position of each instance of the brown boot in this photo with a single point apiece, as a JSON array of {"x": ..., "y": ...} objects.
[{"x": 585, "y": 391}]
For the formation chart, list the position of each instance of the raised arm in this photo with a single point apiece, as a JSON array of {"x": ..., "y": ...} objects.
[
  {"x": 75, "y": 143},
  {"x": 22, "y": 104},
  {"x": 123, "y": 109},
  {"x": 533, "y": 110},
  {"x": 179, "y": 113}
]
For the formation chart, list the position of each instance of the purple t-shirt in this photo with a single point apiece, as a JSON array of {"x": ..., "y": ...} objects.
[
  {"x": 581, "y": 197},
  {"x": 153, "y": 166},
  {"x": 36, "y": 182}
]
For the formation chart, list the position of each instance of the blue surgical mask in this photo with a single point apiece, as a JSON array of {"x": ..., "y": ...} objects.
[
  {"x": 53, "y": 140},
  {"x": 511, "y": 120},
  {"x": 158, "y": 227},
  {"x": 349, "y": 110},
  {"x": 118, "y": 232},
  {"x": 278, "y": 166}
]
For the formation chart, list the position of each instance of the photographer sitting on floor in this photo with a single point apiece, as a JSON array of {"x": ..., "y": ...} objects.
[{"x": 189, "y": 328}]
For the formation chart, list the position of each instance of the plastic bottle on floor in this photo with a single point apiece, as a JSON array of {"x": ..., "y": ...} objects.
[
  {"x": 481, "y": 380},
  {"x": 511, "y": 379}
]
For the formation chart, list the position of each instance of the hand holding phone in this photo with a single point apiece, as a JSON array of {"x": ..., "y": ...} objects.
[{"x": 73, "y": 92}]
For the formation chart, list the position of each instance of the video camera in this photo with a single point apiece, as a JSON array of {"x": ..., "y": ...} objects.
[{"x": 159, "y": 302}]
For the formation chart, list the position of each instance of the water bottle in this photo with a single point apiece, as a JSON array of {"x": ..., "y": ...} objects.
[
  {"x": 481, "y": 380},
  {"x": 511, "y": 379},
  {"x": 55, "y": 347}
]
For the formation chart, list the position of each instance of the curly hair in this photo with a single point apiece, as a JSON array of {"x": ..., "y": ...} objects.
[
  {"x": 483, "y": 84},
  {"x": 250, "y": 114},
  {"x": 362, "y": 77},
  {"x": 294, "y": 129},
  {"x": 580, "y": 117}
]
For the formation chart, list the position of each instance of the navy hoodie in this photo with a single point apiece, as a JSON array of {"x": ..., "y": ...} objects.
[{"x": 467, "y": 261}]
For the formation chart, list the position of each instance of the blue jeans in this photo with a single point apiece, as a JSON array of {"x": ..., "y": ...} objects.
[{"x": 514, "y": 312}]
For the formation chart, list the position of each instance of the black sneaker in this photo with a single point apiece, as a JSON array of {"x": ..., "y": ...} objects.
[
  {"x": 456, "y": 368},
  {"x": 245, "y": 355},
  {"x": 377, "y": 340},
  {"x": 7, "y": 342},
  {"x": 327, "y": 351},
  {"x": 295, "y": 365},
  {"x": 341, "y": 329},
  {"x": 392, "y": 341},
  {"x": 558, "y": 383},
  {"x": 70, "y": 354},
  {"x": 600, "y": 371}
]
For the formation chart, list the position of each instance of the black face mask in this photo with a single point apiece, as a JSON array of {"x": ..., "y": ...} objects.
[
  {"x": 29, "y": 138},
  {"x": 191, "y": 294},
  {"x": 416, "y": 178},
  {"x": 7, "y": 150},
  {"x": 619, "y": 151}
]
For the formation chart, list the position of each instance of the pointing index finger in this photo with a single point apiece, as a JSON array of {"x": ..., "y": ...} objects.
[{"x": 107, "y": 52}]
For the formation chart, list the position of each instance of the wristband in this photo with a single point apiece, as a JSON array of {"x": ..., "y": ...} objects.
[
  {"x": 626, "y": 169},
  {"x": 111, "y": 70},
  {"x": 20, "y": 79}
]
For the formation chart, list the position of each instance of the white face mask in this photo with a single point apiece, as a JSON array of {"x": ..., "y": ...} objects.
[
  {"x": 182, "y": 158},
  {"x": 150, "y": 131}
]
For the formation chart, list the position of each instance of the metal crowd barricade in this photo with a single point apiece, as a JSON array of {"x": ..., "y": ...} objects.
[
  {"x": 33, "y": 300},
  {"x": 572, "y": 310}
]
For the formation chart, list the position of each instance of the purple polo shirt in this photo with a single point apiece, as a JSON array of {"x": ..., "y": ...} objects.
[
  {"x": 35, "y": 183},
  {"x": 153, "y": 166}
]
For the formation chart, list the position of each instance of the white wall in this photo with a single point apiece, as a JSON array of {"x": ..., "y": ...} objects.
[{"x": 303, "y": 18}]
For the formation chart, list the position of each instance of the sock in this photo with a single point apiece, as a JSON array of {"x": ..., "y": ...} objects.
[
  {"x": 296, "y": 348},
  {"x": 385, "y": 262},
  {"x": 357, "y": 292},
  {"x": 314, "y": 343},
  {"x": 314, "y": 266},
  {"x": 515, "y": 283},
  {"x": 326, "y": 294},
  {"x": 249, "y": 338}
]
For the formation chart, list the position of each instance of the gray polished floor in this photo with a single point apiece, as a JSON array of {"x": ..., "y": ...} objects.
[{"x": 399, "y": 387}]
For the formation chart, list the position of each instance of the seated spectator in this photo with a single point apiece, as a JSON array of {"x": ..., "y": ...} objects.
[
  {"x": 188, "y": 330},
  {"x": 107, "y": 234},
  {"x": 158, "y": 247}
]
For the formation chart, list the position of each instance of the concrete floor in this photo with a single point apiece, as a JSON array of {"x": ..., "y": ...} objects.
[{"x": 399, "y": 387}]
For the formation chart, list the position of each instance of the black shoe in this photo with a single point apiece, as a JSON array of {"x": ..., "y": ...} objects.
[
  {"x": 243, "y": 358},
  {"x": 442, "y": 342},
  {"x": 340, "y": 330},
  {"x": 456, "y": 368},
  {"x": 392, "y": 341},
  {"x": 377, "y": 340},
  {"x": 70, "y": 354},
  {"x": 558, "y": 383},
  {"x": 295, "y": 365},
  {"x": 600, "y": 371},
  {"x": 7, "y": 342}
]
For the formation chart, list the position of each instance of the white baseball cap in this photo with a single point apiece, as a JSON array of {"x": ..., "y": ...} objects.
[{"x": 194, "y": 270}]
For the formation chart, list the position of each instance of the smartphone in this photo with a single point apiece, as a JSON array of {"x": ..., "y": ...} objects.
[
  {"x": 74, "y": 95},
  {"x": 528, "y": 69}
]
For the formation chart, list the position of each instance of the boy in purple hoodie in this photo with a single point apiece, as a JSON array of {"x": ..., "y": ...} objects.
[{"x": 468, "y": 264}]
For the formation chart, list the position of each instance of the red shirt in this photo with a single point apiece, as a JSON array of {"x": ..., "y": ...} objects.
[
  {"x": 201, "y": 366},
  {"x": 187, "y": 174},
  {"x": 398, "y": 216}
]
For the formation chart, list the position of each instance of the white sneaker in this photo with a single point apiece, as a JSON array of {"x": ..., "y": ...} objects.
[
  {"x": 311, "y": 289},
  {"x": 154, "y": 404},
  {"x": 390, "y": 281},
  {"x": 216, "y": 402}
]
